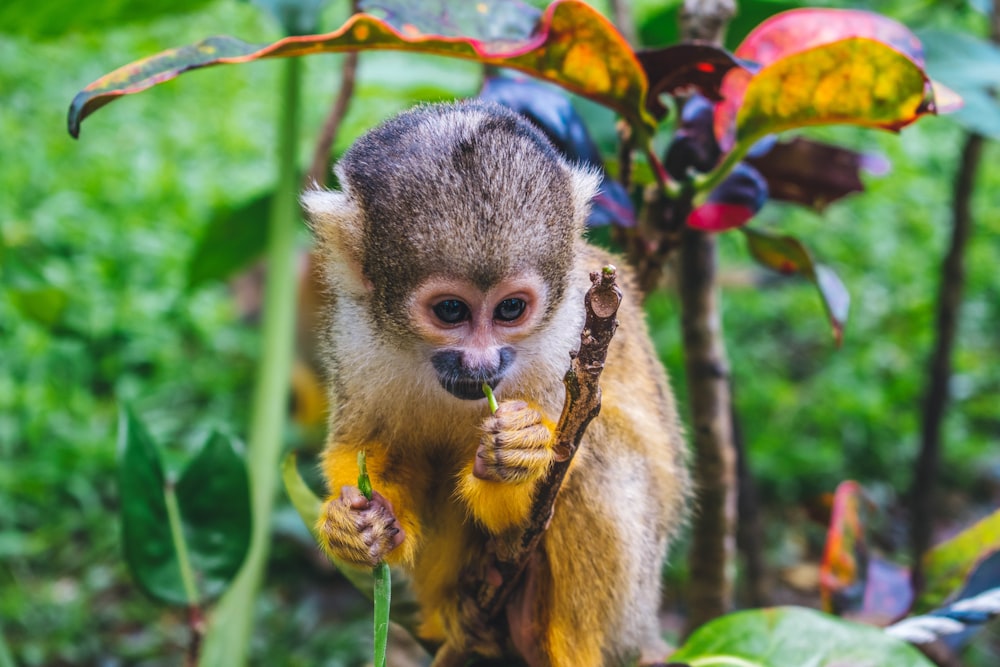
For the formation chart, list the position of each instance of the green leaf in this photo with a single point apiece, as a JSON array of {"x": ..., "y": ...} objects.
[
  {"x": 48, "y": 19},
  {"x": 786, "y": 636},
  {"x": 970, "y": 66},
  {"x": 231, "y": 241},
  {"x": 382, "y": 593},
  {"x": 947, "y": 565},
  {"x": 787, "y": 255},
  {"x": 146, "y": 537},
  {"x": 213, "y": 495},
  {"x": 182, "y": 543},
  {"x": 44, "y": 305},
  {"x": 572, "y": 46}
]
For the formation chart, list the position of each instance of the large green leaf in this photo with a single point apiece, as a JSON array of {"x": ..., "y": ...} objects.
[
  {"x": 572, "y": 46},
  {"x": 971, "y": 66},
  {"x": 182, "y": 543},
  {"x": 787, "y": 255},
  {"x": 48, "y": 19},
  {"x": 232, "y": 240},
  {"x": 947, "y": 565},
  {"x": 793, "y": 636},
  {"x": 213, "y": 495}
]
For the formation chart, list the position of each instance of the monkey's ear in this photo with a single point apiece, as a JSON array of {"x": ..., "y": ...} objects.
[
  {"x": 585, "y": 182},
  {"x": 337, "y": 223}
]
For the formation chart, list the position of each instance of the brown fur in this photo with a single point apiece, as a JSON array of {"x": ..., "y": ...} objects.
[{"x": 471, "y": 193}]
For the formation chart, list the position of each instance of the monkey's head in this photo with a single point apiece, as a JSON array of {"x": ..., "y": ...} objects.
[{"x": 455, "y": 233}]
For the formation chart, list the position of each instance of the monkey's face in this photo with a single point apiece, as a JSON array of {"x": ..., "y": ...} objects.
[{"x": 474, "y": 335}]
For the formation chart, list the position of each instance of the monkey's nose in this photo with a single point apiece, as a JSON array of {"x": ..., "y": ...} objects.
[{"x": 463, "y": 378}]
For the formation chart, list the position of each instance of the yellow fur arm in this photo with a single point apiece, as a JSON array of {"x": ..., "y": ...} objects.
[
  {"x": 496, "y": 505},
  {"x": 340, "y": 467},
  {"x": 514, "y": 453}
]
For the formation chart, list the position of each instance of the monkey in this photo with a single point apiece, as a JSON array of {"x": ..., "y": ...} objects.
[{"x": 453, "y": 254}]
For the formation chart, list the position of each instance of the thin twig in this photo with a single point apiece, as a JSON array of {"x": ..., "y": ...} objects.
[{"x": 331, "y": 127}]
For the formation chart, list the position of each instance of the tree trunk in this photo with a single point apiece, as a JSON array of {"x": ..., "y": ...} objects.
[
  {"x": 713, "y": 543},
  {"x": 922, "y": 494}
]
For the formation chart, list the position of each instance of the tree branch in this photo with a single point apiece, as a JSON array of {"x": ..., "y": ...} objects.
[
  {"x": 320, "y": 169},
  {"x": 489, "y": 585}
]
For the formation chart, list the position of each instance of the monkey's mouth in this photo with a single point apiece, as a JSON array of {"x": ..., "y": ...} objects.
[{"x": 467, "y": 389}]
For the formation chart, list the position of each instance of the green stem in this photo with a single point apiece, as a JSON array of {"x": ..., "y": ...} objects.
[
  {"x": 705, "y": 183},
  {"x": 6, "y": 660},
  {"x": 490, "y": 398},
  {"x": 231, "y": 628},
  {"x": 722, "y": 661},
  {"x": 177, "y": 534}
]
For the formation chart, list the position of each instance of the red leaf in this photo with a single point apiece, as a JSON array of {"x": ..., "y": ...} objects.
[
  {"x": 811, "y": 173},
  {"x": 680, "y": 68},
  {"x": 714, "y": 217},
  {"x": 796, "y": 31}
]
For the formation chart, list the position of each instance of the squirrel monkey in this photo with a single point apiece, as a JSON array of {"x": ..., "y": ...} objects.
[{"x": 453, "y": 256}]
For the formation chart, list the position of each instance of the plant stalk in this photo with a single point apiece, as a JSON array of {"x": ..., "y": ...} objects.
[{"x": 228, "y": 640}]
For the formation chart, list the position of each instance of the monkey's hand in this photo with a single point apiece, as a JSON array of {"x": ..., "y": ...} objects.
[
  {"x": 357, "y": 530},
  {"x": 516, "y": 445},
  {"x": 514, "y": 452}
]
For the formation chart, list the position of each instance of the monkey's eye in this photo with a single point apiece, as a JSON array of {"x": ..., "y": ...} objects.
[
  {"x": 509, "y": 310},
  {"x": 451, "y": 311}
]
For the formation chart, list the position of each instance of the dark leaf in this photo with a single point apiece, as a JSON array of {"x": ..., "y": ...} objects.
[
  {"x": 146, "y": 537},
  {"x": 733, "y": 203},
  {"x": 231, "y": 241},
  {"x": 787, "y": 255},
  {"x": 811, "y": 173},
  {"x": 984, "y": 577},
  {"x": 550, "y": 110},
  {"x": 683, "y": 68},
  {"x": 948, "y": 564},
  {"x": 213, "y": 504},
  {"x": 787, "y": 636},
  {"x": 213, "y": 496},
  {"x": 693, "y": 146},
  {"x": 572, "y": 46}
]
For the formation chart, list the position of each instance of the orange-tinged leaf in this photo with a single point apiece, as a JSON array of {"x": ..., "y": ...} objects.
[
  {"x": 857, "y": 81},
  {"x": 787, "y": 255},
  {"x": 572, "y": 46}
]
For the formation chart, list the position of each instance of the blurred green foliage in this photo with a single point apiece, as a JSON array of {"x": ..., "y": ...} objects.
[{"x": 96, "y": 238}]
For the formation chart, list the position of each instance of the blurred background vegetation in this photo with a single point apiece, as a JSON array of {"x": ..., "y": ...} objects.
[{"x": 96, "y": 237}]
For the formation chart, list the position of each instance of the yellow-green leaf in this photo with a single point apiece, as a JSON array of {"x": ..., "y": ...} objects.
[{"x": 856, "y": 81}]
